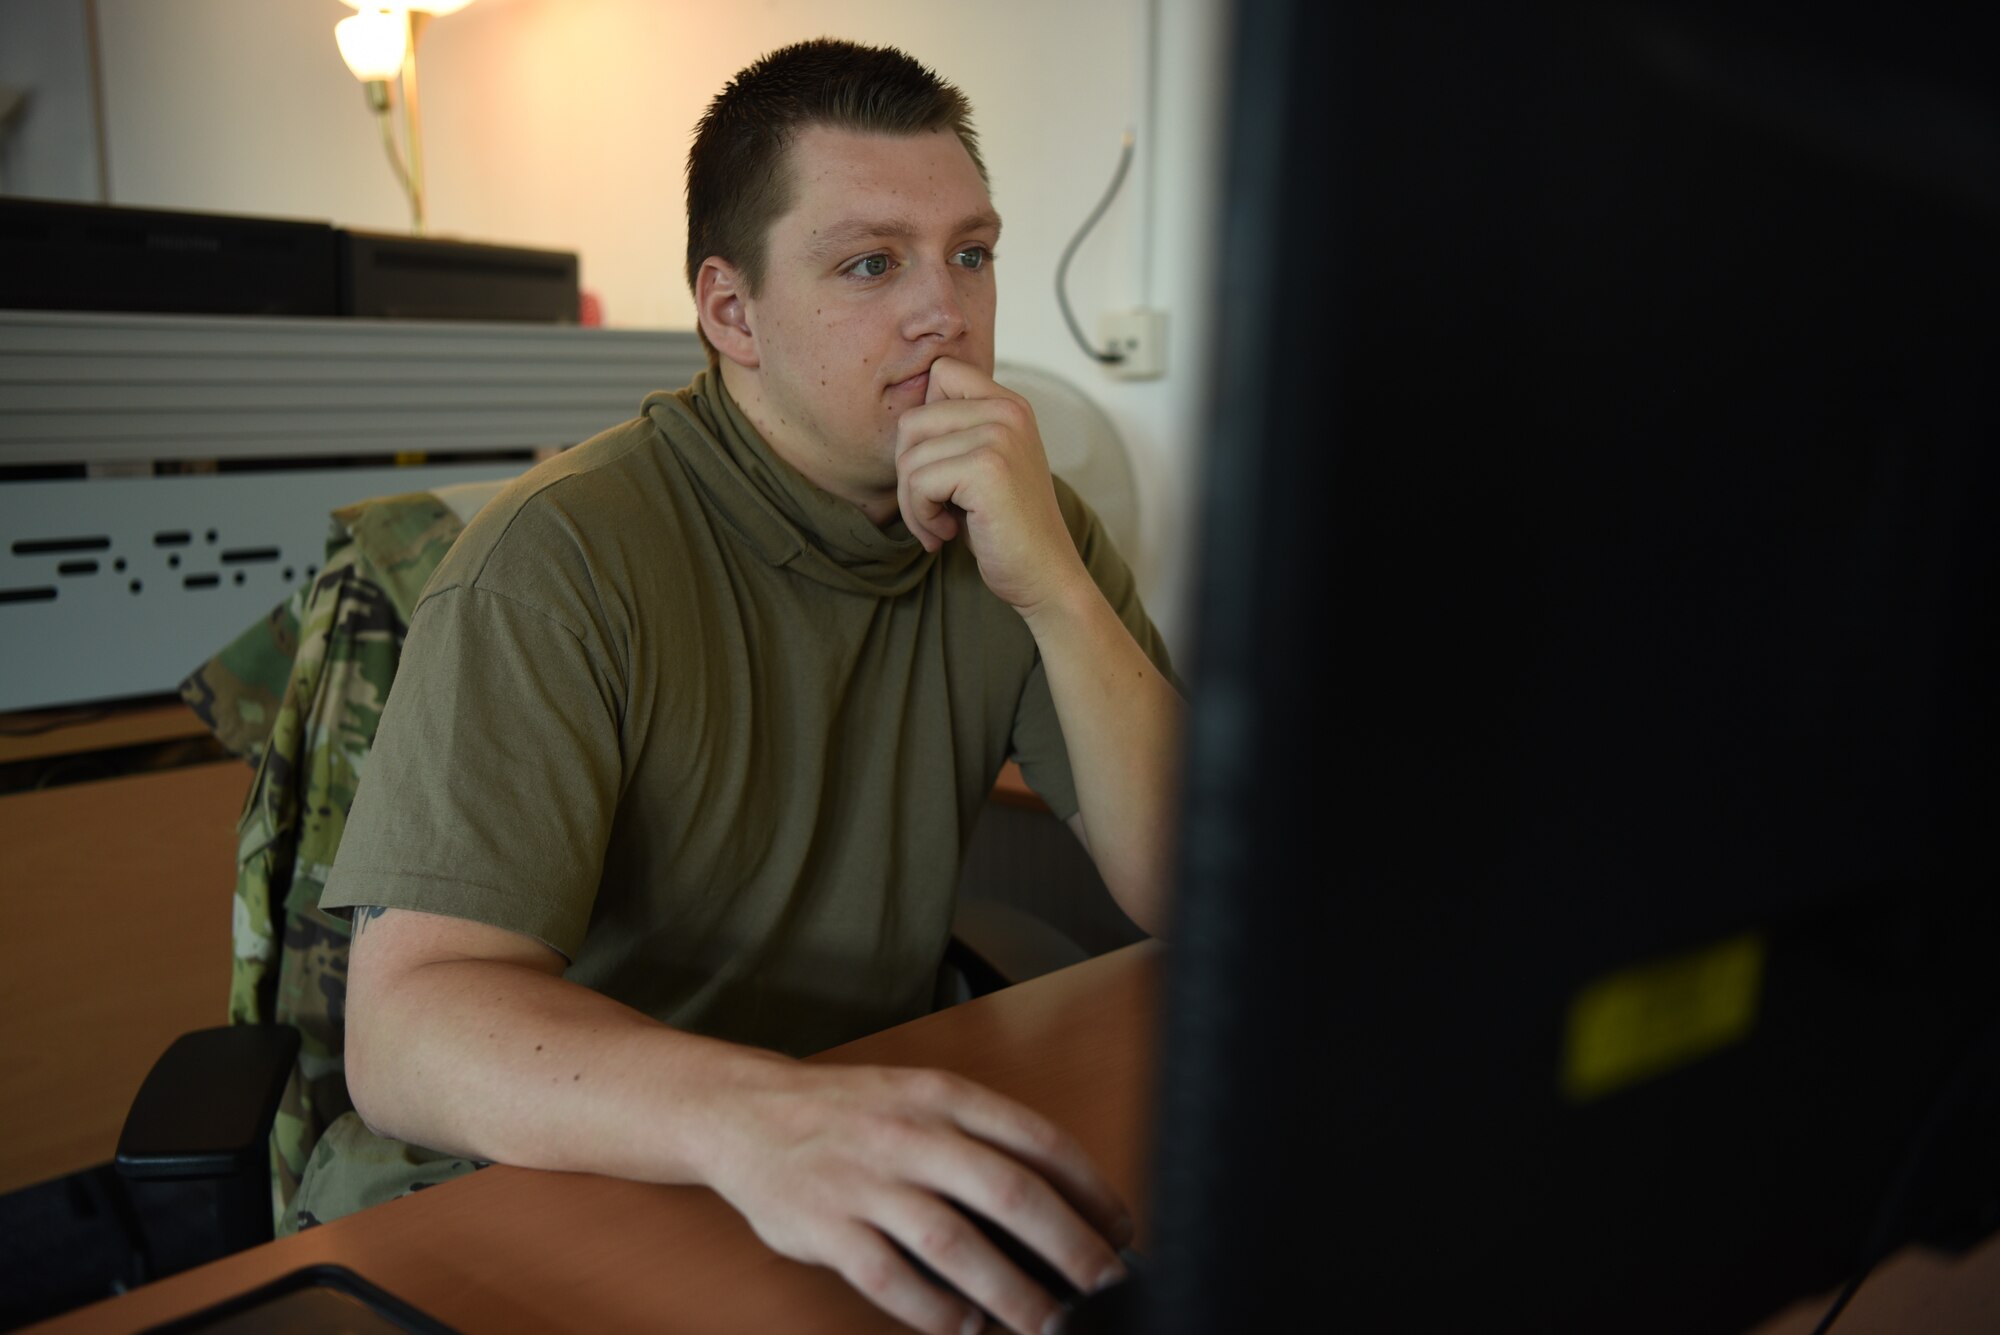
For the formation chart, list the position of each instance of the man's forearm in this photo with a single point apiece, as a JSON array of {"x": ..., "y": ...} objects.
[
  {"x": 466, "y": 1038},
  {"x": 505, "y": 1062},
  {"x": 1121, "y": 721}
]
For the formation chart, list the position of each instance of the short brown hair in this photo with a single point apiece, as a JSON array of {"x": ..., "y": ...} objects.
[{"x": 737, "y": 182}]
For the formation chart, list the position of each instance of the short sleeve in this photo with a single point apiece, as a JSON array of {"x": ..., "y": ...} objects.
[
  {"x": 1037, "y": 740},
  {"x": 494, "y": 781}
]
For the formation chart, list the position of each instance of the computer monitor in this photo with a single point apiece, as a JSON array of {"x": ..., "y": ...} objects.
[{"x": 1588, "y": 914}]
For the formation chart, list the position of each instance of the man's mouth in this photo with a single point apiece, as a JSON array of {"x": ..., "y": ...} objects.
[{"x": 916, "y": 386}]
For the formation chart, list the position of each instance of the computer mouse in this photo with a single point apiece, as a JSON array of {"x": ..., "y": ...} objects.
[{"x": 1113, "y": 1310}]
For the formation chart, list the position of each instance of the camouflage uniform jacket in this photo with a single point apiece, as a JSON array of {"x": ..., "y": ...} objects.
[{"x": 299, "y": 695}]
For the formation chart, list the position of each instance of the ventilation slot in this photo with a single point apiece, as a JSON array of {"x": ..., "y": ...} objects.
[
  {"x": 77, "y": 568},
  {"x": 44, "y": 594},
  {"x": 200, "y": 581},
  {"x": 55, "y": 546}
]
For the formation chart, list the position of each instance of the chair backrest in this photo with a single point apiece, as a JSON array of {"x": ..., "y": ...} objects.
[
  {"x": 299, "y": 695},
  {"x": 467, "y": 498}
]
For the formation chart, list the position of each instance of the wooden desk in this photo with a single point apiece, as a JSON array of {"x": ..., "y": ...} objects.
[
  {"x": 116, "y": 942},
  {"x": 516, "y": 1250},
  {"x": 1913, "y": 1291},
  {"x": 513, "y": 1250},
  {"x": 55, "y": 732}
]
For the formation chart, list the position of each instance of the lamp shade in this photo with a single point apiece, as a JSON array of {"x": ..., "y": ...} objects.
[{"x": 372, "y": 42}]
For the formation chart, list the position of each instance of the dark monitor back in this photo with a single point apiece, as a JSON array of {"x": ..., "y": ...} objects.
[
  {"x": 59, "y": 256},
  {"x": 1588, "y": 908}
]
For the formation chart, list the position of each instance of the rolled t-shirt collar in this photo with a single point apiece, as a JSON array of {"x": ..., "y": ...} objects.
[{"x": 774, "y": 507}]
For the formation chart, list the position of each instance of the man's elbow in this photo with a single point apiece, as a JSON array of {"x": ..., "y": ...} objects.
[
  {"x": 384, "y": 1032},
  {"x": 368, "y": 1068},
  {"x": 1152, "y": 916},
  {"x": 1139, "y": 877},
  {"x": 1144, "y": 895}
]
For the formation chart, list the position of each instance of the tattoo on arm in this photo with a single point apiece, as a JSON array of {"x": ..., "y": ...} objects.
[{"x": 367, "y": 913}]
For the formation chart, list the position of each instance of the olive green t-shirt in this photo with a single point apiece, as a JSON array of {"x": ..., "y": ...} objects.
[{"x": 708, "y": 732}]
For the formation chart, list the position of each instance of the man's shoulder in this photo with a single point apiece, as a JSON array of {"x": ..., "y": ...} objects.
[
  {"x": 570, "y": 507},
  {"x": 624, "y": 462}
]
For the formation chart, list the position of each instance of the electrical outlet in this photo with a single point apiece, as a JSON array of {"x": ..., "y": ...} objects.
[{"x": 1139, "y": 337}]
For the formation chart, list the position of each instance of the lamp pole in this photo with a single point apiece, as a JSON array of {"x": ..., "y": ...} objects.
[
  {"x": 413, "y": 119},
  {"x": 379, "y": 44}
]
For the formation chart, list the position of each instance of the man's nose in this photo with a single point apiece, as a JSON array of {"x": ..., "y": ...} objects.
[{"x": 937, "y": 307}]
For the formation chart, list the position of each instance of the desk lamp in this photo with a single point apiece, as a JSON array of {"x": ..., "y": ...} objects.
[{"x": 379, "y": 43}]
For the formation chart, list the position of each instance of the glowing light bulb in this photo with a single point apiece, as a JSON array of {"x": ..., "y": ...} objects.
[
  {"x": 437, "y": 7},
  {"x": 372, "y": 42}
]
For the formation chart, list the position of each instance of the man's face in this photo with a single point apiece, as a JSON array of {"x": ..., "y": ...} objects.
[{"x": 882, "y": 265}]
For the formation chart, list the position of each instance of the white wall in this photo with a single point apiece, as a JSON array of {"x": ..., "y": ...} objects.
[
  {"x": 49, "y": 149},
  {"x": 565, "y": 123}
]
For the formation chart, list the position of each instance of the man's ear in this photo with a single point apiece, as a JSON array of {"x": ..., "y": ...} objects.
[{"x": 721, "y": 304}]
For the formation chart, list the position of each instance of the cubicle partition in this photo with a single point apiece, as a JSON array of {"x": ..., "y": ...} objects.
[{"x": 166, "y": 479}]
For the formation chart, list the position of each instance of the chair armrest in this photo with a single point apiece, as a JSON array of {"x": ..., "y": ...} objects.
[
  {"x": 206, "y": 1107},
  {"x": 194, "y": 1157},
  {"x": 996, "y": 945}
]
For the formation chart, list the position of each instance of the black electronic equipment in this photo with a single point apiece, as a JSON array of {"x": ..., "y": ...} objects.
[
  {"x": 93, "y": 257},
  {"x": 425, "y": 278},
  {"x": 1590, "y": 896},
  {"x": 313, "y": 1300}
]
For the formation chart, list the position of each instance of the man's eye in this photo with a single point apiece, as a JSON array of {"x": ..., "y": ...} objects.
[
  {"x": 869, "y": 266},
  {"x": 972, "y": 257}
]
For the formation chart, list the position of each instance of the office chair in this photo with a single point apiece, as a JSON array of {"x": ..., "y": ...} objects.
[{"x": 216, "y": 1141}]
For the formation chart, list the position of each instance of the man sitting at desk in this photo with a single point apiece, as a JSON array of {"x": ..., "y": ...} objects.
[{"x": 693, "y": 720}]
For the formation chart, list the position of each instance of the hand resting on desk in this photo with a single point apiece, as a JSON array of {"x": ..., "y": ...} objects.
[{"x": 466, "y": 1038}]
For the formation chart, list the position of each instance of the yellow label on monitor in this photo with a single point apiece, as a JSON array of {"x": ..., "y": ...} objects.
[{"x": 1647, "y": 1020}]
